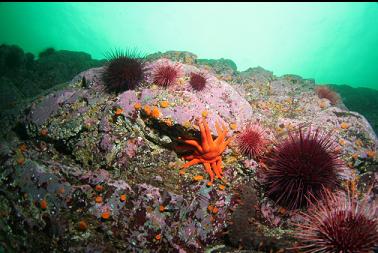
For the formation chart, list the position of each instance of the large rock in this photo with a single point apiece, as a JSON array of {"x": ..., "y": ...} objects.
[
  {"x": 361, "y": 100},
  {"x": 78, "y": 147},
  {"x": 219, "y": 101},
  {"x": 24, "y": 78}
]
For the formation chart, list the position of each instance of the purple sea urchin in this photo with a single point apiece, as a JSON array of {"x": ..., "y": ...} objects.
[
  {"x": 338, "y": 223},
  {"x": 166, "y": 73},
  {"x": 252, "y": 141},
  {"x": 301, "y": 166},
  {"x": 124, "y": 71}
]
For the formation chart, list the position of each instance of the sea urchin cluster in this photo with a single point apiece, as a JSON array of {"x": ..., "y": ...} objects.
[
  {"x": 301, "y": 166},
  {"x": 338, "y": 223},
  {"x": 124, "y": 71},
  {"x": 326, "y": 92},
  {"x": 252, "y": 141},
  {"x": 166, "y": 73}
]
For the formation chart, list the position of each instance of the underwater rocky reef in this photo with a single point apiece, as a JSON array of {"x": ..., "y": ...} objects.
[
  {"x": 23, "y": 77},
  {"x": 362, "y": 100},
  {"x": 171, "y": 153}
]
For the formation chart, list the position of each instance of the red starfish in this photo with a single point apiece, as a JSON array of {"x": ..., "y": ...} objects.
[{"x": 208, "y": 152}]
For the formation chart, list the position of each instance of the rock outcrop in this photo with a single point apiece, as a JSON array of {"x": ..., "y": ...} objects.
[{"x": 96, "y": 172}]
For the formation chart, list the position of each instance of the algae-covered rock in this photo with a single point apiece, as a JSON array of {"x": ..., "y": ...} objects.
[
  {"x": 223, "y": 68},
  {"x": 103, "y": 172}
]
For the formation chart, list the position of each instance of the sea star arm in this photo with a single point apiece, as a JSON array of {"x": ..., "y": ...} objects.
[
  {"x": 216, "y": 169},
  {"x": 224, "y": 128},
  {"x": 208, "y": 134},
  {"x": 189, "y": 157},
  {"x": 190, "y": 163},
  {"x": 195, "y": 144},
  {"x": 205, "y": 144},
  {"x": 221, "y": 134},
  {"x": 209, "y": 171},
  {"x": 225, "y": 144},
  {"x": 219, "y": 165}
]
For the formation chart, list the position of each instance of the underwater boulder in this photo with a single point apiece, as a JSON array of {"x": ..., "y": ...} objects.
[
  {"x": 105, "y": 166},
  {"x": 224, "y": 68},
  {"x": 256, "y": 75},
  {"x": 218, "y": 101},
  {"x": 178, "y": 56}
]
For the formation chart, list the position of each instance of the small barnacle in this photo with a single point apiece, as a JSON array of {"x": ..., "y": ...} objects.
[
  {"x": 44, "y": 132},
  {"x": 137, "y": 106},
  {"x": 359, "y": 143},
  {"x": 168, "y": 122},
  {"x": 123, "y": 198},
  {"x": 43, "y": 204},
  {"x": 322, "y": 104},
  {"x": 147, "y": 109},
  {"x": 371, "y": 153},
  {"x": 83, "y": 226},
  {"x": 23, "y": 147},
  {"x": 187, "y": 124},
  {"x": 164, "y": 104},
  {"x": 205, "y": 113},
  {"x": 342, "y": 142},
  {"x": 20, "y": 159},
  {"x": 282, "y": 210},
  {"x": 182, "y": 172},
  {"x": 61, "y": 190},
  {"x": 344, "y": 125},
  {"x": 198, "y": 178},
  {"x": 355, "y": 156},
  {"x": 118, "y": 111},
  {"x": 155, "y": 112},
  {"x": 99, "y": 188},
  {"x": 149, "y": 209},
  {"x": 233, "y": 126},
  {"x": 212, "y": 219},
  {"x": 105, "y": 215},
  {"x": 98, "y": 199}
]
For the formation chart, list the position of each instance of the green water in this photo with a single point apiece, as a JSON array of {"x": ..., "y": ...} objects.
[{"x": 331, "y": 42}]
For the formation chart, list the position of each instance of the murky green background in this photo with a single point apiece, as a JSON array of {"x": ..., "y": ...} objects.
[{"x": 331, "y": 42}]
